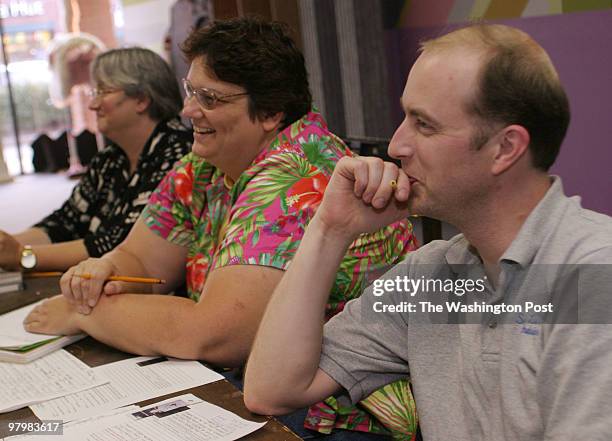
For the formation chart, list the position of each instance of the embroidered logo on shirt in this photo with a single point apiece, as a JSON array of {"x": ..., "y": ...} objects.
[{"x": 530, "y": 322}]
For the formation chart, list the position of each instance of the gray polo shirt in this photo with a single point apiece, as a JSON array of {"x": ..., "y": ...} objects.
[{"x": 517, "y": 381}]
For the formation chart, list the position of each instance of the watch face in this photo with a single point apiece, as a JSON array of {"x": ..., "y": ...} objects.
[{"x": 28, "y": 259}]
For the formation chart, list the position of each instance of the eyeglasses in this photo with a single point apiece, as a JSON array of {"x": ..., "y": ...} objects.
[
  {"x": 97, "y": 93},
  {"x": 207, "y": 98}
]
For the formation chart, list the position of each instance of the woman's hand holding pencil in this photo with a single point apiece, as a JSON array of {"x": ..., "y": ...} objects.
[{"x": 83, "y": 284}]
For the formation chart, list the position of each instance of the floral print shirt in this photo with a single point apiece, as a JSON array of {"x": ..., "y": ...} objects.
[{"x": 261, "y": 219}]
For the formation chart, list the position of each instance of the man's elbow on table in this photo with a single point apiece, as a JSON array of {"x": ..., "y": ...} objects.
[
  {"x": 263, "y": 403},
  {"x": 275, "y": 396}
]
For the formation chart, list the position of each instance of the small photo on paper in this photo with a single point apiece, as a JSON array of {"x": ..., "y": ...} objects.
[{"x": 162, "y": 410}]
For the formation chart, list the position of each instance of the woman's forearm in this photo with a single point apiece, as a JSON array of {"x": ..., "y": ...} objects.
[
  {"x": 145, "y": 325},
  {"x": 59, "y": 256},
  {"x": 33, "y": 236}
]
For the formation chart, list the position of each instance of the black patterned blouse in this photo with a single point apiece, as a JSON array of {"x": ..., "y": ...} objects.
[{"x": 107, "y": 201}]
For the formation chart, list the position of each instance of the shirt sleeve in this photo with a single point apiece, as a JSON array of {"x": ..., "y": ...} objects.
[
  {"x": 168, "y": 212},
  {"x": 72, "y": 220},
  {"x": 364, "y": 350},
  {"x": 268, "y": 219}
]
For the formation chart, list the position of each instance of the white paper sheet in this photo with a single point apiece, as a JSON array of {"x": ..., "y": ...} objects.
[
  {"x": 12, "y": 334},
  {"x": 182, "y": 418},
  {"x": 129, "y": 383},
  {"x": 54, "y": 375},
  {"x": 71, "y": 426}
]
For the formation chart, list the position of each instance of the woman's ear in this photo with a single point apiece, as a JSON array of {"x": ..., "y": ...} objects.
[
  {"x": 513, "y": 144},
  {"x": 272, "y": 122},
  {"x": 142, "y": 103}
]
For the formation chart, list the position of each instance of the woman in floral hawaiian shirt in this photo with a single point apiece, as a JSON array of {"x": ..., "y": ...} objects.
[{"x": 229, "y": 218}]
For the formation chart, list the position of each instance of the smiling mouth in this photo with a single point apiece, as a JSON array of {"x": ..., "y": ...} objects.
[{"x": 203, "y": 131}]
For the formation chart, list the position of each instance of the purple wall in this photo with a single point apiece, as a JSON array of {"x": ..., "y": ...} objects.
[{"x": 578, "y": 45}]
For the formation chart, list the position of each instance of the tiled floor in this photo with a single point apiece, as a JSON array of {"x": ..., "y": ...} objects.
[{"x": 29, "y": 198}]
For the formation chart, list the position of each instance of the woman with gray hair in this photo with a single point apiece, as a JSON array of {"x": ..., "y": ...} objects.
[{"x": 136, "y": 100}]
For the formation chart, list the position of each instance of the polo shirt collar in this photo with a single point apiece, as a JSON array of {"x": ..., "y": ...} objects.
[
  {"x": 461, "y": 252},
  {"x": 547, "y": 214}
]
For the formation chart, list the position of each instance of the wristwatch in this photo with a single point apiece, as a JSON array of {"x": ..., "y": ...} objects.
[{"x": 28, "y": 258}]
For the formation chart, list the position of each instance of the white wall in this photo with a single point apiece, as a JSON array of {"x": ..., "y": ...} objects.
[{"x": 146, "y": 23}]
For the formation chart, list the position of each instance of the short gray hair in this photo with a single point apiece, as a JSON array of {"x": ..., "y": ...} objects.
[{"x": 140, "y": 72}]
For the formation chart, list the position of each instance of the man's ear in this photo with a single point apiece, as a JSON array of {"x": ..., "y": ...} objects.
[
  {"x": 272, "y": 122},
  {"x": 513, "y": 144},
  {"x": 142, "y": 103}
]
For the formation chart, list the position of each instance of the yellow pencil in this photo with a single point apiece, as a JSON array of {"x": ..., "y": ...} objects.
[
  {"x": 124, "y": 279},
  {"x": 89, "y": 276},
  {"x": 43, "y": 274}
]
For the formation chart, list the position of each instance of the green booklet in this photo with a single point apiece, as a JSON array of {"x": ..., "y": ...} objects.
[{"x": 20, "y": 346}]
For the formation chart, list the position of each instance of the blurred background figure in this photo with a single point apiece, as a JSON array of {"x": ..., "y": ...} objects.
[
  {"x": 69, "y": 60},
  {"x": 185, "y": 15}
]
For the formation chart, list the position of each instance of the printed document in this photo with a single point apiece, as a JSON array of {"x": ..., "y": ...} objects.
[
  {"x": 54, "y": 375},
  {"x": 132, "y": 380},
  {"x": 182, "y": 418}
]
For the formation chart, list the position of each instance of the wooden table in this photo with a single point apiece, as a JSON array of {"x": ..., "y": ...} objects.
[{"x": 93, "y": 353}]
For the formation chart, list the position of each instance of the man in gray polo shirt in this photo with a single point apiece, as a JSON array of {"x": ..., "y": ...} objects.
[{"x": 485, "y": 117}]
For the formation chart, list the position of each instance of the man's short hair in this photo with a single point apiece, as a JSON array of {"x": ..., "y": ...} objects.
[
  {"x": 259, "y": 56},
  {"x": 517, "y": 84},
  {"x": 140, "y": 72}
]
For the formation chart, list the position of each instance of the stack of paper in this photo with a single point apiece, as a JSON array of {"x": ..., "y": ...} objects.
[
  {"x": 181, "y": 418},
  {"x": 130, "y": 381},
  {"x": 55, "y": 375},
  {"x": 19, "y": 346},
  {"x": 10, "y": 281},
  {"x": 93, "y": 411}
]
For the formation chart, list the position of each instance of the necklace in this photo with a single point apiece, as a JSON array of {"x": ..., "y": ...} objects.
[{"x": 228, "y": 182}]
